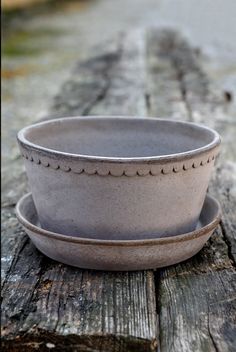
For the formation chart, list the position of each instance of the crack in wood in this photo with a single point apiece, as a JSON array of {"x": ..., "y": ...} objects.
[
  {"x": 228, "y": 244},
  {"x": 210, "y": 334}
]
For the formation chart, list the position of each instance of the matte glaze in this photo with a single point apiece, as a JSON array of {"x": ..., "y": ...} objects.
[
  {"x": 144, "y": 176},
  {"x": 118, "y": 255}
]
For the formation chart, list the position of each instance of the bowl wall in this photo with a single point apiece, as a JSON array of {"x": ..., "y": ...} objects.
[{"x": 118, "y": 207}]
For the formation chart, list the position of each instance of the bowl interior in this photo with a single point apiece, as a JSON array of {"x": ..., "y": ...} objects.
[{"x": 119, "y": 137}]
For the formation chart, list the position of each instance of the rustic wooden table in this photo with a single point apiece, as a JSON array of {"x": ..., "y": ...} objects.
[{"x": 186, "y": 307}]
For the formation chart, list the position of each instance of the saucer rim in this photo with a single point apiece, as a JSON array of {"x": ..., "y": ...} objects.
[{"x": 120, "y": 243}]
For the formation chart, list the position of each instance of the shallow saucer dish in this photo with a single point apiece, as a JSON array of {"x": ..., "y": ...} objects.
[{"x": 118, "y": 254}]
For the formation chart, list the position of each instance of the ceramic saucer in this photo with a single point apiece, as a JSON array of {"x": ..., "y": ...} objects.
[{"x": 118, "y": 254}]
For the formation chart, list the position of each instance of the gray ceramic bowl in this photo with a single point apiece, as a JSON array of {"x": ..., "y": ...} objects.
[{"x": 118, "y": 177}]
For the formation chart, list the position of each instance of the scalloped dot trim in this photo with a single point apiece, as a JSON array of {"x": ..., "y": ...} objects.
[{"x": 117, "y": 172}]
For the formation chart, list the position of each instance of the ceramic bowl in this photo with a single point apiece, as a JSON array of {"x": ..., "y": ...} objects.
[{"x": 118, "y": 177}]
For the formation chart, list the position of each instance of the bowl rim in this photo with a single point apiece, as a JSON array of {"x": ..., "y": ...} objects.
[
  {"x": 56, "y": 154},
  {"x": 210, "y": 226}
]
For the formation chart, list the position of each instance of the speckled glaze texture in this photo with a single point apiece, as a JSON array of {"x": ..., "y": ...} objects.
[
  {"x": 123, "y": 254},
  {"x": 118, "y": 178}
]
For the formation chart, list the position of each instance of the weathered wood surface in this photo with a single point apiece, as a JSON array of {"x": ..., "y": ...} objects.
[
  {"x": 196, "y": 300},
  {"x": 187, "y": 307}
]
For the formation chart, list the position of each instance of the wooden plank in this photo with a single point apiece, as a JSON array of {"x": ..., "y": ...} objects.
[
  {"x": 224, "y": 188},
  {"x": 126, "y": 93},
  {"x": 197, "y": 310},
  {"x": 164, "y": 95},
  {"x": 196, "y": 299},
  {"x": 50, "y": 305}
]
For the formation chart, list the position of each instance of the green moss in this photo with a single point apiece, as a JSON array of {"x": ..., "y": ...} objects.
[
  {"x": 18, "y": 41},
  {"x": 26, "y": 43}
]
